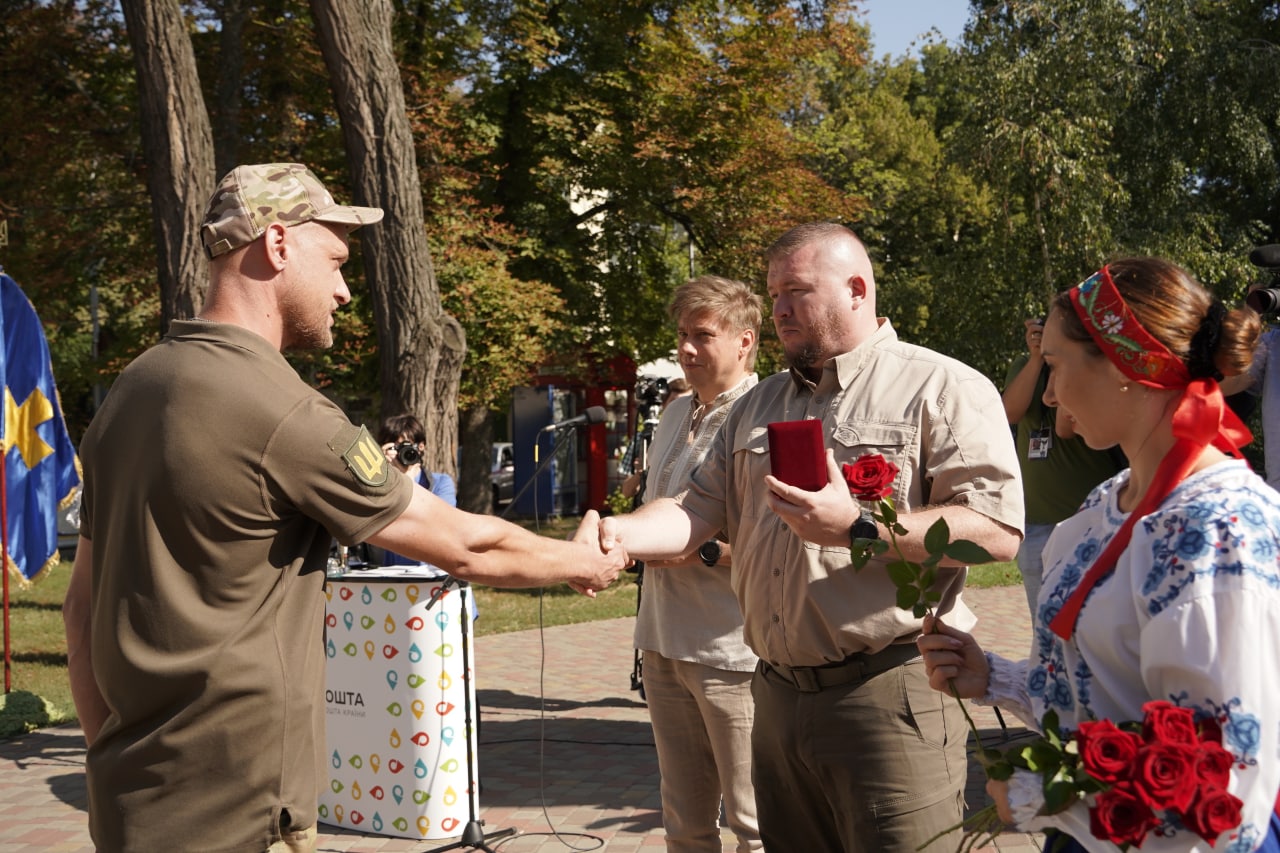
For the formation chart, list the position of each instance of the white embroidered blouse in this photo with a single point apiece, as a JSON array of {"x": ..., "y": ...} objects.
[{"x": 1191, "y": 615}]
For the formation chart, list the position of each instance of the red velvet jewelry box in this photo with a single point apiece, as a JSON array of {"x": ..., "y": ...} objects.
[{"x": 797, "y": 455}]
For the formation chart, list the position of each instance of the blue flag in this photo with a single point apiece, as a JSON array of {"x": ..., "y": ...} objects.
[{"x": 41, "y": 472}]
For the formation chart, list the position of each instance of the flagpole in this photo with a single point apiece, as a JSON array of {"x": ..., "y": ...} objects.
[{"x": 4, "y": 538}]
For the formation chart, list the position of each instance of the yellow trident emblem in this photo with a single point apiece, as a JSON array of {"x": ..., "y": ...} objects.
[{"x": 365, "y": 459}]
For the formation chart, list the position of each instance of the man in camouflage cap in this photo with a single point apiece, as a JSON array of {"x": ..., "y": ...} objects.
[
  {"x": 250, "y": 198},
  {"x": 215, "y": 480}
]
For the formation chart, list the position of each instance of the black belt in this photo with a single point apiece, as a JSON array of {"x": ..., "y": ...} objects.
[{"x": 856, "y": 667}]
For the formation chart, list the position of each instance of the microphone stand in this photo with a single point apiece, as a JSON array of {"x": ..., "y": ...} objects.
[
  {"x": 562, "y": 435},
  {"x": 473, "y": 834}
]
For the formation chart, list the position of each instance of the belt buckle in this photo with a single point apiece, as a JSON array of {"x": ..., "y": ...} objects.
[{"x": 805, "y": 679}]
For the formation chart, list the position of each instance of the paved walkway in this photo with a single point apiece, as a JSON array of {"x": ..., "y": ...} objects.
[{"x": 565, "y": 750}]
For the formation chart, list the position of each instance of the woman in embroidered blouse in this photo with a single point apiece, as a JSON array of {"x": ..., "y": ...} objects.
[{"x": 1165, "y": 585}]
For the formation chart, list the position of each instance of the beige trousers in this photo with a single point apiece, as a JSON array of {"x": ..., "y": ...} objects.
[{"x": 702, "y": 720}]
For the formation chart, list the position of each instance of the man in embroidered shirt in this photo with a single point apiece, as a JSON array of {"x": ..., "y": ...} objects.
[
  {"x": 850, "y": 751},
  {"x": 697, "y": 669}
]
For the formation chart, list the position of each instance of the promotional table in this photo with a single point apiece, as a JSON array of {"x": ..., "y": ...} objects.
[{"x": 397, "y": 733}]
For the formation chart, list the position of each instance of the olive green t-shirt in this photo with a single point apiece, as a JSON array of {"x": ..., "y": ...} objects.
[
  {"x": 215, "y": 479},
  {"x": 1054, "y": 486}
]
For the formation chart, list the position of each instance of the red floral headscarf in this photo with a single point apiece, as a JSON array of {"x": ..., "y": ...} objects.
[{"x": 1201, "y": 418}]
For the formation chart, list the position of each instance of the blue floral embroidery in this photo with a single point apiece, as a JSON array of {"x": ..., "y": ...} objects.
[
  {"x": 1242, "y": 734},
  {"x": 1037, "y": 677},
  {"x": 1191, "y": 544},
  {"x": 1247, "y": 840},
  {"x": 1086, "y": 553}
]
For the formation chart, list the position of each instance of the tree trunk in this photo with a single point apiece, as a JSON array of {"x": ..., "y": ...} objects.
[
  {"x": 226, "y": 147},
  {"x": 421, "y": 347},
  {"x": 178, "y": 145},
  {"x": 475, "y": 461}
]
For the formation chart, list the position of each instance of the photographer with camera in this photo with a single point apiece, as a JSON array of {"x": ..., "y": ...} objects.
[
  {"x": 697, "y": 668},
  {"x": 403, "y": 440},
  {"x": 1058, "y": 468},
  {"x": 1264, "y": 298}
]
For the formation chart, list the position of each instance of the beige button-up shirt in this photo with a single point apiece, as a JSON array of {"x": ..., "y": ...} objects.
[{"x": 940, "y": 421}]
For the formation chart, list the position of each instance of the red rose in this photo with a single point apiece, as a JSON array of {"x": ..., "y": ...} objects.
[
  {"x": 1165, "y": 775},
  {"x": 1210, "y": 730},
  {"x": 1121, "y": 817},
  {"x": 1213, "y": 813},
  {"x": 1168, "y": 723},
  {"x": 1213, "y": 765},
  {"x": 1107, "y": 753},
  {"x": 870, "y": 477}
]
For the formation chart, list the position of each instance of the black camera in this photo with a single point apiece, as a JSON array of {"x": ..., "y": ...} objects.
[
  {"x": 1266, "y": 299},
  {"x": 407, "y": 453},
  {"x": 652, "y": 390}
]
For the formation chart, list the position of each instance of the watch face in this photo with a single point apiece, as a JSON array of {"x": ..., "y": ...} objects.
[
  {"x": 710, "y": 552},
  {"x": 864, "y": 528}
]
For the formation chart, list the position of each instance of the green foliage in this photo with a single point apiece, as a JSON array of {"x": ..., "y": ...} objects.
[
  {"x": 579, "y": 161},
  {"x": 619, "y": 503},
  {"x": 22, "y": 712}
]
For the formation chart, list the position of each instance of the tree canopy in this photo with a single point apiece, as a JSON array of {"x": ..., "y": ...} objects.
[{"x": 579, "y": 160}]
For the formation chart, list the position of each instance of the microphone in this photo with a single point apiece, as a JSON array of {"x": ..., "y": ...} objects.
[
  {"x": 593, "y": 415},
  {"x": 1266, "y": 257}
]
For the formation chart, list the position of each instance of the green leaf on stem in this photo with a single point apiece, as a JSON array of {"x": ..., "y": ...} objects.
[
  {"x": 908, "y": 598},
  {"x": 1042, "y": 757},
  {"x": 859, "y": 555},
  {"x": 968, "y": 553},
  {"x": 1000, "y": 771},
  {"x": 888, "y": 513},
  {"x": 1059, "y": 791},
  {"x": 935, "y": 538},
  {"x": 903, "y": 574},
  {"x": 928, "y": 578},
  {"x": 1049, "y": 725}
]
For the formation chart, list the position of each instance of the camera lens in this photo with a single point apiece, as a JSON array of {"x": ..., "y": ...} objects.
[
  {"x": 1264, "y": 300},
  {"x": 407, "y": 453}
]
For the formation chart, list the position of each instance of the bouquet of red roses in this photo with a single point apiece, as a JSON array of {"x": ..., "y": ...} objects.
[
  {"x": 1136, "y": 772},
  {"x": 1166, "y": 769}
]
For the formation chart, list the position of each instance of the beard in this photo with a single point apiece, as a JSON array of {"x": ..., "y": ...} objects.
[
  {"x": 810, "y": 354},
  {"x": 306, "y": 327}
]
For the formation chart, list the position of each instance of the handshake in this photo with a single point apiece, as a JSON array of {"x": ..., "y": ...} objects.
[{"x": 605, "y": 556}]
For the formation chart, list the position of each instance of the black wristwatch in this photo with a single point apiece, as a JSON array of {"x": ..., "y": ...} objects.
[
  {"x": 864, "y": 528},
  {"x": 710, "y": 552}
]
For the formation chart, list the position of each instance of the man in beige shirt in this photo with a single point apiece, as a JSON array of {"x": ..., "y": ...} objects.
[
  {"x": 851, "y": 749},
  {"x": 697, "y": 669}
]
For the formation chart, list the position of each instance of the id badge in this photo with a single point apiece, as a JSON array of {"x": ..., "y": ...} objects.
[{"x": 1039, "y": 443}]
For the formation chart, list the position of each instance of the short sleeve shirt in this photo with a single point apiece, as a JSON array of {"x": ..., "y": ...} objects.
[
  {"x": 942, "y": 424},
  {"x": 215, "y": 481},
  {"x": 1056, "y": 484},
  {"x": 690, "y": 613}
]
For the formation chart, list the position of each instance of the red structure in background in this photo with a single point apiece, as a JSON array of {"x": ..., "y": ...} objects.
[{"x": 610, "y": 384}]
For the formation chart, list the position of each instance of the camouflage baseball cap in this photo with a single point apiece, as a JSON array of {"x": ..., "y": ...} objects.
[{"x": 250, "y": 198}]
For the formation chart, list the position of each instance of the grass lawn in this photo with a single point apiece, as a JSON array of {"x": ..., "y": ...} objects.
[{"x": 39, "y": 649}]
